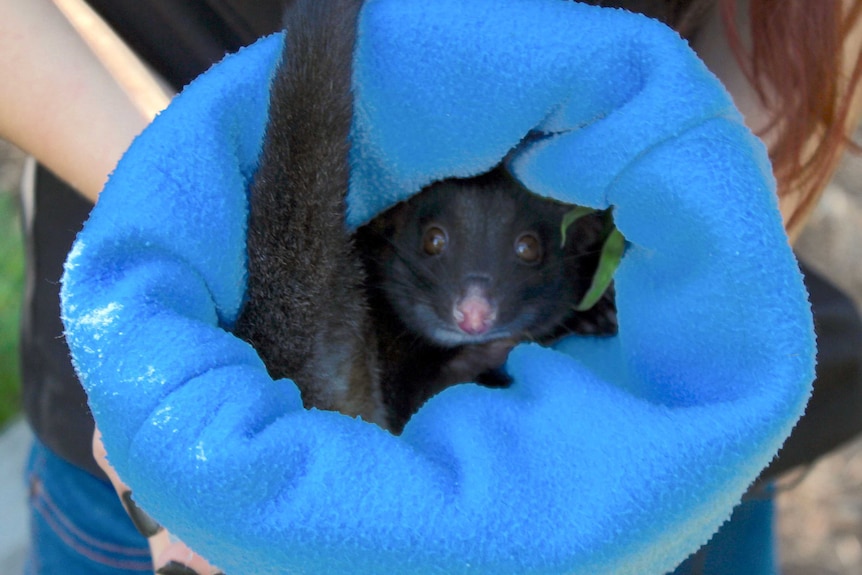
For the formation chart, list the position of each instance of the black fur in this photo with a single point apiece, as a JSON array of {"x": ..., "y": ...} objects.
[
  {"x": 305, "y": 311},
  {"x": 413, "y": 294}
]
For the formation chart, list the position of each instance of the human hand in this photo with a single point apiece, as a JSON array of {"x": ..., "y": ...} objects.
[{"x": 170, "y": 556}]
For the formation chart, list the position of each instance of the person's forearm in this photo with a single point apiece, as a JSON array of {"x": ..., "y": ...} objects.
[{"x": 57, "y": 102}]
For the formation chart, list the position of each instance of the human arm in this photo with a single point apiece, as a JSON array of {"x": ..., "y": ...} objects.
[
  {"x": 71, "y": 110},
  {"x": 58, "y": 102}
]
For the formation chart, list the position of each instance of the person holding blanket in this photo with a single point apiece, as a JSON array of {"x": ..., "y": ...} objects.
[{"x": 49, "y": 107}]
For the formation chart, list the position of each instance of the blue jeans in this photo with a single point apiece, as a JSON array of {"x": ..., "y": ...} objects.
[{"x": 77, "y": 524}]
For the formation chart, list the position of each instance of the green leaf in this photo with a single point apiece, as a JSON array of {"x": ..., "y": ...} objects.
[
  {"x": 609, "y": 260},
  {"x": 571, "y": 217}
]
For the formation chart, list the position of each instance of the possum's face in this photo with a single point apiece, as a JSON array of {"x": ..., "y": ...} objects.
[{"x": 477, "y": 260}]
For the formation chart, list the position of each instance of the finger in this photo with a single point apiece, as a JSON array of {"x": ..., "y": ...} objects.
[
  {"x": 170, "y": 556},
  {"x": 101, "y": 456},
  {"x": 173, "y": 557},
  {"x": 177, "y": 559},
  {"x": 145, "y": 525}
]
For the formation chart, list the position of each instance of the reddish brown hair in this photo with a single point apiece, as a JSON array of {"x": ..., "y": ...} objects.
[{"x": 797, "y": 63}]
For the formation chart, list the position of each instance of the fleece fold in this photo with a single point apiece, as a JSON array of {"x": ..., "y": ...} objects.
[{"x": 616, "y": 455}]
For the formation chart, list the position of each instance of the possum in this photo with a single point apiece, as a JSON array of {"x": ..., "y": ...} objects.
[
  {"x": 433, "y": 292},
  {"x": 463, "y": 271}
]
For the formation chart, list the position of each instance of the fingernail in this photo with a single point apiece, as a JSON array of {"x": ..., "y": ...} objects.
[
  {"x": 146, "y": 525},
  {"x": 176, "y": 568}
]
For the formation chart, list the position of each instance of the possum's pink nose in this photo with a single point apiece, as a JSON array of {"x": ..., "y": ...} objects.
[{"x": 474, "y": 314}]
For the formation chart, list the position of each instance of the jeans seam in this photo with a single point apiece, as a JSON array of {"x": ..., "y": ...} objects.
[
  {"x": 84, "y": 544},
  {"x": 85, "y": 537}
]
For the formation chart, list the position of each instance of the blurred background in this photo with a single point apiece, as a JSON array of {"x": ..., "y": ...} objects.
[{"x": 820, "y": 508}]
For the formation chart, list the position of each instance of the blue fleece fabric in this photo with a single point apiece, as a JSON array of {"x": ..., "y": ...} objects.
[{"x": 608, "y": 455}]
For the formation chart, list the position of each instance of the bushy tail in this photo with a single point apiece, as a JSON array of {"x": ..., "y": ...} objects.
[{"x": 305, "y": 311}]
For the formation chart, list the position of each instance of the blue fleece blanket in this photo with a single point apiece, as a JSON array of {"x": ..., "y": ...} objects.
[{"x": 608, "y": 455}]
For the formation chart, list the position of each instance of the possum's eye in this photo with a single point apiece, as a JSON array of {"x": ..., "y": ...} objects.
[
  {"x": 528, "y": 248},
  {"x": 434, "y": 241}
]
